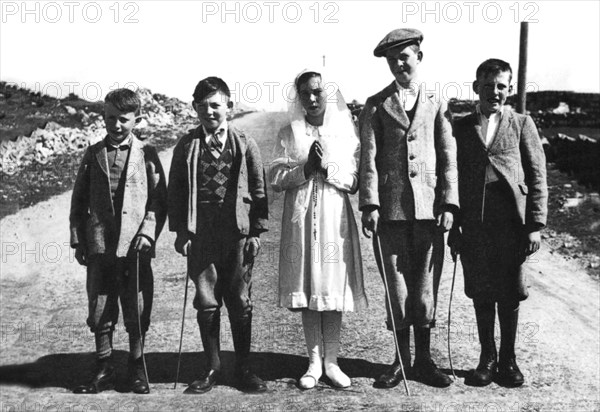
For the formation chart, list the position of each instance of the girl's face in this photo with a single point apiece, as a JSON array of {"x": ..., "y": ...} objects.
[{"x": 313, "y": 97}]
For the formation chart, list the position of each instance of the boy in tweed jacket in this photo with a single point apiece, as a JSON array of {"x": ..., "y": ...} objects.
[
  {"x": 504, "y": 195},
  {"x": 118, "y": 209}
]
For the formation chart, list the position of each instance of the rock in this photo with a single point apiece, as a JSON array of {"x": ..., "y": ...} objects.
[{"x": 70, "y": 110}]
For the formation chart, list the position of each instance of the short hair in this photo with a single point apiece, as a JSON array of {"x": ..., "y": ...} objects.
[
  {"x": 493, "y": 66},
  {"x": 304, "y": 77},
  {"x": 125, "y": 100},
  {"x": 208, "y": 86},
  {"x": 416, "y": 47}
]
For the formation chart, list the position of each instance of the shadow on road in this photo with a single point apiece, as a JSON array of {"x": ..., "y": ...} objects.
[{"x": 67, "y": 370}]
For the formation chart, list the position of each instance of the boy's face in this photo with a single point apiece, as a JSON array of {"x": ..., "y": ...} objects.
[
  {"x": 313, "y": 97},
  {"x": 403, "y": 63},
  {"x": 119, "y": 124},
  {"x": 493, "y": 89},
  {"x": 212, "y": 111}
]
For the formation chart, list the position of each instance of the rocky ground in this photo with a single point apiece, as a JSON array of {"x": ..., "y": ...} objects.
[{"x": 45, "y": 347}]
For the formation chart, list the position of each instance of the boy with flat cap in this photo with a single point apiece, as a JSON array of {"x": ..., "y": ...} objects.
[
  {"x": 408, "y": 195},
  {"x": 503, "y": 189}
]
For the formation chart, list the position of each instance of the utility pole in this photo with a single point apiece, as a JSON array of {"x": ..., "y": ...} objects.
[
  {"x": 521, "y": 82},
  {"x": 323, "y": 60}
]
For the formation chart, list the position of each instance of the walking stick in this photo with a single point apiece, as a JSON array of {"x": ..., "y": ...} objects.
[
  {"x": 187, "y": 279},
  {"x": 137, "y": 302},
  {"x": 389, "y": 302},
  {"x": 455, "y": 259}
]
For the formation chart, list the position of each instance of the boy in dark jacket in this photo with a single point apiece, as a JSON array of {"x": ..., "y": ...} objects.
[{"x": 218, "y": 208}]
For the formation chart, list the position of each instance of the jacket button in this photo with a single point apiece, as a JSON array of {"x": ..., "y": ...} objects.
[
  {"x": 124, "y": 212},
  {"x": 411, "y": 157},
  {"x": 411, "y": 137},
  {"x": 413, "y": 174}
]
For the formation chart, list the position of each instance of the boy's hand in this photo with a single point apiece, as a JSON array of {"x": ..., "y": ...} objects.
[
  {"x": 251, "y": 248},
  {"x": 81, "y": 255},
  {"x": 315, "y": 156},
  {"x": 370, "y": 222},
  {"x": 534, "y": 239},
  {"x": 183, "y": 243},
  {"x": 455, "y": 243},
  {"x": 141, "y": 244},
  {"x": 445, "y": 220}
]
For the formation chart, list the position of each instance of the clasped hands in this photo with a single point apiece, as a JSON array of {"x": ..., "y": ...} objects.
[{"x": 315, "y": 160}]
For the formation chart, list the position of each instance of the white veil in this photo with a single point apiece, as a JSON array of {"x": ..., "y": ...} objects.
[
  {"x": 338, "y": 134},
  {"x": 338, "y": 137}
]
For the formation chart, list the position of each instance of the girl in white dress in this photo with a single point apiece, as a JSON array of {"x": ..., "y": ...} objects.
[{"x": 320, "y": 266}]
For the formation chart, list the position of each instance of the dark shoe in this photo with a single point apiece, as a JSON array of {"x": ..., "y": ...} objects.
[
  {"x": 204, "y": 384},
  {"x": 428, "y": 373},
  {"x": 509, "y": 374},
  {"x": 104, "y": 379},
  {"x": 137, "y": 378},
  {"x": 390, "y": 378},
  {"x": 250, "y": 382},
  {"x": 485, "y": 372}
]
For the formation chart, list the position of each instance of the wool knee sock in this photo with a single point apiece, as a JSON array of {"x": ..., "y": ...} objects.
[
  {"x": 135, "y": 345},
  {"x": 103, "y": 345},
  {"x": 331, "y": 325},
  {"x": 311, "y": 322}
]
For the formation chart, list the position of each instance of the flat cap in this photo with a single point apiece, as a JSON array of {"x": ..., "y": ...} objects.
[{"x": 398, "y": 37}]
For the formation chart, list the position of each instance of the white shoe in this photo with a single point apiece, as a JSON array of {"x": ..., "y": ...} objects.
[
  {"x": 338, "y": 378},
  {"x": 308, "y": 381}
]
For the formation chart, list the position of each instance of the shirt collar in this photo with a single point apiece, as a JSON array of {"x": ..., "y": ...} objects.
[
  {"x": 413, "y": 90},
  {"x": 220, "y": 131},
  {"x": 498, "y": 114},
  {"x": 124, "y": 143}
]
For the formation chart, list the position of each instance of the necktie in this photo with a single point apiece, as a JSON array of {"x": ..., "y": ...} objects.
[{"x": 215, "y": 143}]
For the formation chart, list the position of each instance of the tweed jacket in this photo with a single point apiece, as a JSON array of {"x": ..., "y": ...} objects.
[
  {"x": 517, "y": 157},
  {"x": 247, "y": 173},
  {"x": 92, "y": 217},
  {"x": 407, "y": 169}
]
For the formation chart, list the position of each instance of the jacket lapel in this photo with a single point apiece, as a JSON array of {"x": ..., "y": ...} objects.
[
  {"x": 102, "y": 158},
  {"x": 476, "y": 122},
  {"x": 136, "y": 159},
  {"x": 393, "y": 106},
  {"x": 423, "y": 109},
  {"x": 503, "y": 127}
]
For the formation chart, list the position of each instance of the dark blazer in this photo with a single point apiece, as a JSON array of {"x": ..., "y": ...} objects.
[
  {"x": 407, "y": 169},
  {"x": 251, "y": 200},
  {"x": 517, "y": 156},
  {"x": 92, "y": 217}
]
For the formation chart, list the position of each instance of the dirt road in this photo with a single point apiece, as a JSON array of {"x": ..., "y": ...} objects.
[{"x": 46, "y": 349}]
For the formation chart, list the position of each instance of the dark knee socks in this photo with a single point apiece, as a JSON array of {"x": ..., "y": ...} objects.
[
  {"x": 210, "y": 328},
  {"x": 103, "y": 345},
  {"x": 508, "y": 314},
  {"x": 485, "y": 313}
]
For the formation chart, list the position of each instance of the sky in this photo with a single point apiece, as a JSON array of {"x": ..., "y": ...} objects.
[{"x": 258, "y": 47}]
